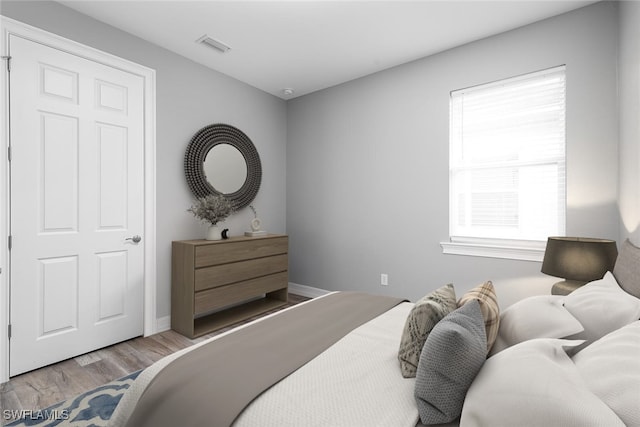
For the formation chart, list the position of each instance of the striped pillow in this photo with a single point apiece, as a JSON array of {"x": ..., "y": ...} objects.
[
  {"x": 426, "y": 313},
  {"x": 486, "y": 296}
]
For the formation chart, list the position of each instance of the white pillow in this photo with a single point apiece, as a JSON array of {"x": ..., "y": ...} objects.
[
  {"x": 611, "y": 369},
  {"x": 534, "y": 382},
  {"x": 542, "y": 316},
  {"x": 601, "y": 307}
]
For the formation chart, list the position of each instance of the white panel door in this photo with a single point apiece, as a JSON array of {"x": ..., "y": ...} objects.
[{"x": 77, "y": 195}]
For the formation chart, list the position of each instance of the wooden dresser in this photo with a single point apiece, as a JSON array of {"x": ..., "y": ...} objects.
[{"x": 215, "y": 283}]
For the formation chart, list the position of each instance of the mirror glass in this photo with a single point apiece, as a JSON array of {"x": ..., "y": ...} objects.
[{"x": 225, "y": 168}]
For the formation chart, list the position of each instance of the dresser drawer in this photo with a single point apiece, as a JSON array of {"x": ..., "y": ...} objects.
[
  {"x": 215, "y": 298},
  {"x": 223, "y": 253},
  {"x": 220, "y": 275}
]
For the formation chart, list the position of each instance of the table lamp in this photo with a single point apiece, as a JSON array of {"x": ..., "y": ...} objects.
[{"x": 578, "y": 260}]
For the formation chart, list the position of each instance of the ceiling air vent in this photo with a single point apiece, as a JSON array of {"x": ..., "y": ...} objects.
[{"x": 211, "y": 42}]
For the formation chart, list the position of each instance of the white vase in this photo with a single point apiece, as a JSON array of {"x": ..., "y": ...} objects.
[{"x": 213, "y": 233}]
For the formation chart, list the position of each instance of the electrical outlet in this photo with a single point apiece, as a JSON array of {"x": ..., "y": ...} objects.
[{"x": 384, "y": 279}]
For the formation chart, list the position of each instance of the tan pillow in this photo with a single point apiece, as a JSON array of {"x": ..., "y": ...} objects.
[
  {"x": 486, "y": 295},
  {"x": 426, "y": 313}
]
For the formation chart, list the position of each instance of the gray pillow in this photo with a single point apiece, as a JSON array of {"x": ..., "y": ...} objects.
[
  {"x": 426, "y": 313},
  {"x": 451, "y": 358},
  {"x": 627, "y": 268}
]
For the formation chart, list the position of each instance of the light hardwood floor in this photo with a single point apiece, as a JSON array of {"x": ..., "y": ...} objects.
[{"x": 42, "y": 388}]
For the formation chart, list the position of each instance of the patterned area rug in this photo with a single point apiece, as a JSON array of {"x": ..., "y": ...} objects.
[{"x": 90, "y": 409}]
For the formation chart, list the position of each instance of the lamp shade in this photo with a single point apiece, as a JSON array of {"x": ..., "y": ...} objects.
[{"x": 579, "y": 258}]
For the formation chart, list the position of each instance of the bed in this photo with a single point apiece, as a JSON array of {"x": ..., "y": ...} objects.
[{"x": 354, "y": 359}]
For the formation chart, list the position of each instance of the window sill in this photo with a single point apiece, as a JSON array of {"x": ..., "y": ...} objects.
[{"x": 505, "y": 249}]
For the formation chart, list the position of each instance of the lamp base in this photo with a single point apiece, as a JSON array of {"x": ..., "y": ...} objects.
[{"x": 566, "y": 287}]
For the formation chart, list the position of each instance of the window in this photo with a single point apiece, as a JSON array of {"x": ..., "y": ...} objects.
[{"x": 507, "y": 162}]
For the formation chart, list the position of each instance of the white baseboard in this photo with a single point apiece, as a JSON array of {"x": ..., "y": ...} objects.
[
  {"x": 306, "y": 291},
  {"x": 163, "y": 324}
]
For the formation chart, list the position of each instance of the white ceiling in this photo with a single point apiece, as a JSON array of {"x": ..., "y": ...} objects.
[{"x": 311, "y": 45}]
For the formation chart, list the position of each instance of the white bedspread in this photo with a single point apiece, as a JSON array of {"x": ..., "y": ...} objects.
[{"x": 322, "y": 392}]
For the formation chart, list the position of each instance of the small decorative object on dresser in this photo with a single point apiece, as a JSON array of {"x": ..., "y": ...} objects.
[
  {"x": 215, "y": 283},
  {"x": 212, "y": 209},
  {"x": 255, "y": 225}
]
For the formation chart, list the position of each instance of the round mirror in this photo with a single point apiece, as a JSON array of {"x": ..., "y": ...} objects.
[
  {"x": 221, "y": 159},
  {"x": 225, "y": 168}
]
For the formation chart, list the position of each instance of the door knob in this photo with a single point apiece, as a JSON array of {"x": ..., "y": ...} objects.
[{"x": 134, "y": 239}]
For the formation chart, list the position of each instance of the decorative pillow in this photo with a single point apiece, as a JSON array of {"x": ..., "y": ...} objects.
[
  {"x": 423, "y": 317},
  {"x": 601, "y": 307},
  {"x": 451, "y": 358},
  {"x": 541, "y": 316},
  {"x": 534, "y": 383},
  {"x": 611, "y": 369},
  {"x": 627, "y": 268},
  {"x": 486, "y": 296}
]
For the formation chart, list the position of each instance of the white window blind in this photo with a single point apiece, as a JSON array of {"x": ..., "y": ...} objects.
[{"x": 507, "y": 160}]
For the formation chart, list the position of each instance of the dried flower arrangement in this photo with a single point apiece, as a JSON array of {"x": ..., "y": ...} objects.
[{"x": 212, "y": 208}]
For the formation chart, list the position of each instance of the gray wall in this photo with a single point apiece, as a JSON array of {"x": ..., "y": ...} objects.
[
  {"x": 365, "y": 164},
  {"x": 367, "y": 161},
  {"x": 189, "y": 96},
  {"x": 629, "y": 90}
]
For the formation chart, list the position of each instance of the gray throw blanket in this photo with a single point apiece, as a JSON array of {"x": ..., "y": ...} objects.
[{"x": 212, "y": 384}]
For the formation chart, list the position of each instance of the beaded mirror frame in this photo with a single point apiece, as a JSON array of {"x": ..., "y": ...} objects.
[{"x": 203, "y": 141}]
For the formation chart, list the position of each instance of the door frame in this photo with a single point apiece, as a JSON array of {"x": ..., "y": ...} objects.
[{"x": 17, "y": 28}]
